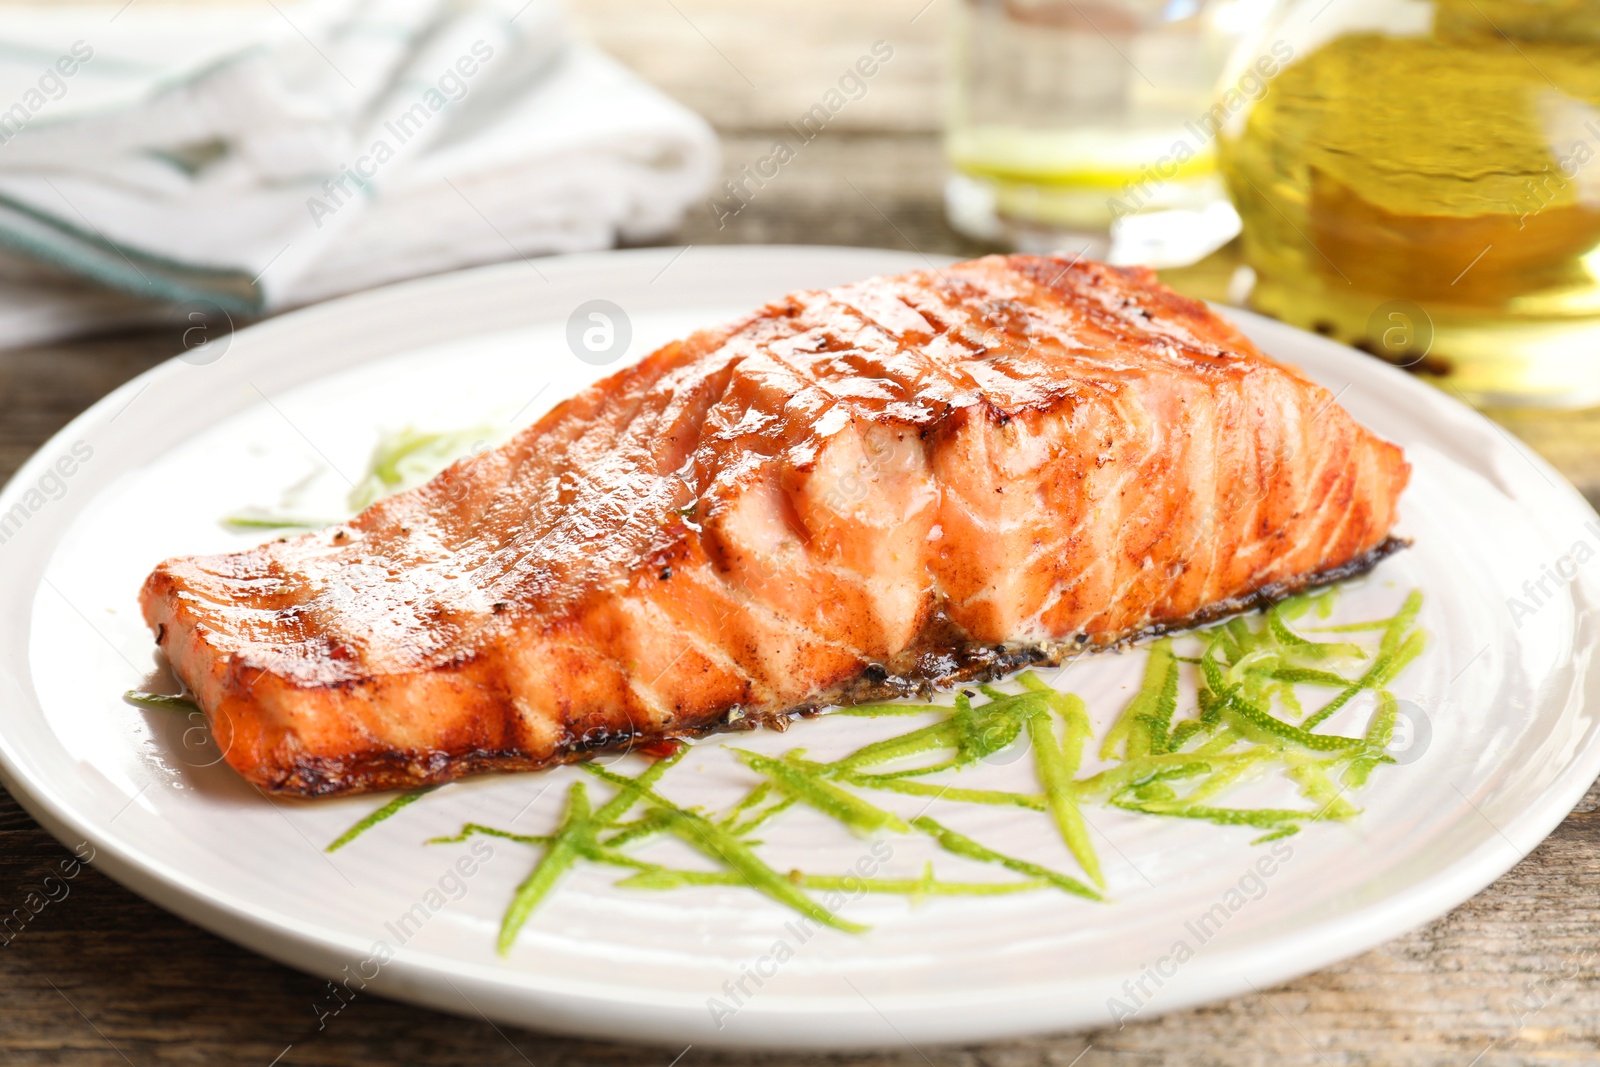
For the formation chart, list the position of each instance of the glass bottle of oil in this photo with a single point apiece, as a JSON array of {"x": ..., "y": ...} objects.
[{"x": 1422, "y": 180}]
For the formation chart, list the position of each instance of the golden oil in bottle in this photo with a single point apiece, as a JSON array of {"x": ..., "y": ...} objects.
[{"x": 1433, "y": 196}]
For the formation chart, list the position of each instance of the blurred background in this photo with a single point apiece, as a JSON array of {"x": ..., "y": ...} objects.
[{"x": 1410, "y": 177}]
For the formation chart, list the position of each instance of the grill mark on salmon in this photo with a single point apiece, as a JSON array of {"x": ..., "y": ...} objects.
[{"x": 871, "y": 491}]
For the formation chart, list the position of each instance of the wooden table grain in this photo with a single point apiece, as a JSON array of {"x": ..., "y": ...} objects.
[{"x": 105, "y": 978}]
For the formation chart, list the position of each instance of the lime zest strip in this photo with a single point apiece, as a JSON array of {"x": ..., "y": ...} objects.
[
  {"x": 1248, "y": 715},
  {"x": 373, "y": 819},
  {"x": 961, "y": 845},
  {"x": 801, "y": 780},
  {"x": 1380, "y": 674},
  {"x": 875, "y": 711},
  {"x": 473, "y": 829},
  {"x": 1301, "y": 646},
  {"x": 579, "y": 826},
  {"x": 1148, "y": 707},
  {"x": 562, "y": 852},
  {"x": 165, "y": 701},
  {"x": 666, "y": 878},
  {"x": 1057, "y": 765},
  {"x": 1264, "y": 817},
  {"x": 1379, "y": 734},
  {"x": 1032, "y": 801},
  {"x": 720, "y": 844}
]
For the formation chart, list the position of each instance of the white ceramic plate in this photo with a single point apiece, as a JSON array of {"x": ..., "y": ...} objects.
[{"x": 1512, "y": 740}]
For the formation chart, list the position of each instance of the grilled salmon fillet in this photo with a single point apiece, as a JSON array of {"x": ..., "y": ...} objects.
[{"x": 865, "y": 491}]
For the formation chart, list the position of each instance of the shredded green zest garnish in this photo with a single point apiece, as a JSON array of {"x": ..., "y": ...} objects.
[
  {"x": 875, "y": 711},
  {"x": 940, "y": 735},
  {"x": 1379, "y": 734},
  {"x": 719, "y": 844},
  {"x": 404, "y": 459},
  {"x": 579, "y": 828},
  {"x": 752, "y": 799},
  {"x": 1057, "y": 765},
  {"x": 1226, "y": 774},
  {"x": 1113, "y": 780},
  {"x": 378, "y": 816},
  {"x": 1303, "y": 647},
  {"x": 962, "y": 845},
  {"x": 1145, "y": 726},
  {"x": 765, "y": 815},
  {"x": 1389, "y": 665},
  {"x": 1277, "y": 835},
  {"x": 401, "y": 460},
  {"x": 263, "y": 519},
  {"x": 1253, "y": 719},
  {"x": 561, "y": 852},
  {"x": 973, "y": 733},
  {"x": 1308, "y": 676},
  {"x": 641, "y": 828},
  {"x": 473, "y": 829},
  {"x": 801, "y": 780},
  {"x": 1032, "y": 801},
  {"x": 160, "y": 700},
  {"x": 1270, "y": 817},
  {"x": 926, "y": 886},
  {"x": 1164, "y": 756}
]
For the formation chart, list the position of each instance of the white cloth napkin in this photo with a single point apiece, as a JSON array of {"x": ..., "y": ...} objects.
[{"x": 256, "y": 156}]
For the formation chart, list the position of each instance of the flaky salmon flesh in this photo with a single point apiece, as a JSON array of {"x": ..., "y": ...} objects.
[{"x": 868, "y": 491}]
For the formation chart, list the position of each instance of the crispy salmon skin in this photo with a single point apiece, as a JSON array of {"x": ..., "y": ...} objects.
[{"x": 893, "y": 485}]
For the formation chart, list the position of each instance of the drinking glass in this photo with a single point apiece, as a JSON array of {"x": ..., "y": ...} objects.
[{"x": 1091, "y": 125}]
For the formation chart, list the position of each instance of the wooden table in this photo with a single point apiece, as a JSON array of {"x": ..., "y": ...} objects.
[{"x": 106, "y": 978}]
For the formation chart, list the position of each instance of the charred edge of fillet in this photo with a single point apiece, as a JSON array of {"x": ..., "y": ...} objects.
[
  {"x": 941, "y": 658},
  {"x": 1268, "y": 595},
  {"x": 376, "y": 771}
]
